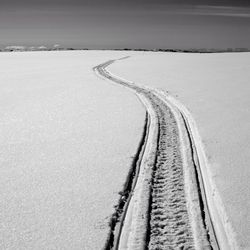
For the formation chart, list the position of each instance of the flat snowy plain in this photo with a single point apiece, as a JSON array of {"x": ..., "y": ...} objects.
[
  {"x": 68, "y": 137},
  {"x": 66, "y": 144},
  {"x": 216, "y": 90}
]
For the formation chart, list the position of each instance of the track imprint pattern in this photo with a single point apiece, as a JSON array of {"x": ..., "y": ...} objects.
[{"x": 170, "y": 223}]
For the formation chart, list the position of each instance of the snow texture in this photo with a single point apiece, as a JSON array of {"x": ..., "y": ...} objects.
[
  {"x": 215, "y": 88},
  {"x": 66, "y": 145}
]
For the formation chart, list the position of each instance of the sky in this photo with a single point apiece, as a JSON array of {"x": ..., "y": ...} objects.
[{"x": 114, "y": 24}]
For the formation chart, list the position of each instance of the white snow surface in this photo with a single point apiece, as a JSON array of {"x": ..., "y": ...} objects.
[
  {"x": 216, "y": 90},
  {"x": 66, "y": 144}
]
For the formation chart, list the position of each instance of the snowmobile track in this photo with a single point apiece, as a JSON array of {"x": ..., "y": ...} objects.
[{"x": 174, "y": 218}]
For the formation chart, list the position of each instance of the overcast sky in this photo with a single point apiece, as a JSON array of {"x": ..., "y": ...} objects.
[{"x": 126, "y": 23}]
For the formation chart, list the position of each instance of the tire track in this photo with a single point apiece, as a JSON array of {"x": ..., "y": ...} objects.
[
  {"x": 169, "y": 227},
  {"x": 175, "y": 204}
]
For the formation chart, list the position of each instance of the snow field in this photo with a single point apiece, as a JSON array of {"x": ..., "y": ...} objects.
[
  {"x": 215, "y": 89},
  {"x": 66, "y": 144}
]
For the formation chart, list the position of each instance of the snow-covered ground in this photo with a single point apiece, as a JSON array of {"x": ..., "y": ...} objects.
[
  {"x": 68, "y": 137},
  {"x": 66, "y": 144},
  {"x": 216, "y": 90}
]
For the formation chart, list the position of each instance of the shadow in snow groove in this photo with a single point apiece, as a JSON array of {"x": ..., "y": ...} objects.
[{"x": 118, "y": 217}]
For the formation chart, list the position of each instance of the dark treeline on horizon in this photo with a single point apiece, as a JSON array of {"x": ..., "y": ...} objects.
[{"x": 202, "y": 50}]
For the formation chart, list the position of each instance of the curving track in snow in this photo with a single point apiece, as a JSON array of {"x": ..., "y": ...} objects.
[{"x": 170, "y": 204}]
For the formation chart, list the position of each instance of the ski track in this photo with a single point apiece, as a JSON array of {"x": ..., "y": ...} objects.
[{"x": 171, "y": 221}]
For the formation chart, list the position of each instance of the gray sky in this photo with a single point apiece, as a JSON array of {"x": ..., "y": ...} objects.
[{"x": 127, "y": 23}]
